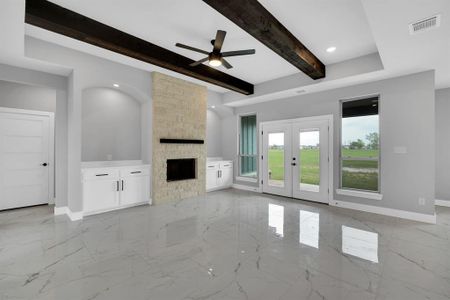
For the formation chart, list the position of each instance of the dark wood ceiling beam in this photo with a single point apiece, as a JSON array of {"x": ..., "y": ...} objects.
[
  {"x": 52, "y": 17},
  {"x": 252, "y": 17}
]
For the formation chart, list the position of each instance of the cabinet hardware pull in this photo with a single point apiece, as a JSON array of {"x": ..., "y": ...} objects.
[
  {"x": 122, "y": 185},
  {"x": 101, "y": 174},
  {"x": 117, "y": 185},
  {"x": 136, "y": 172}
]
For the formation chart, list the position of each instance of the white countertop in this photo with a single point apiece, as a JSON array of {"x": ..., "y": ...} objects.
[{"x": 113, "y": 164}]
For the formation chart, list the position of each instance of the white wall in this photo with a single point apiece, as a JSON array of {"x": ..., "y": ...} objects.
[
  {"x": 111, "y": 125},
  {"x": 443, "y": 144},
  {"x": 23, "y": 96},
  {"x": 407, "y": 118}
]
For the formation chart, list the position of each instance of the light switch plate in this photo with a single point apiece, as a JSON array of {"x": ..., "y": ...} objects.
[{"x": 400, "y": 150}]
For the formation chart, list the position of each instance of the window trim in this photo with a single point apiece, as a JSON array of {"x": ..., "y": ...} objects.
[
  {"x": 240, "y": 177},
  {"x": 375, "y": 195}
]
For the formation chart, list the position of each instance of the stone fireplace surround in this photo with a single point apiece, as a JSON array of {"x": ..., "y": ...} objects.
[{"x": 179, "y": 112}]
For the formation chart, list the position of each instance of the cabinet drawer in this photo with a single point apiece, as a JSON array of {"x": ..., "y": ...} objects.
[
  {"x": 100, "y": 174},
  {"x": 212, "y": 166},
  {"x": 138, "y": 171},
  {"x": 226, "y": 165}
]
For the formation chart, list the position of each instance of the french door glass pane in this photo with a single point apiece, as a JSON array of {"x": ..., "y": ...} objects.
[
  {"x": 309, "y": 156},
  {"x": 276, "y": 159}
]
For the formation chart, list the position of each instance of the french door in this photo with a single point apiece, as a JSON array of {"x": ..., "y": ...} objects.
[{"x": 295, "y": 158}]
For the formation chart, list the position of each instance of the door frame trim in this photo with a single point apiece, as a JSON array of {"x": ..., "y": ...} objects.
[
  {"x": 51, "y": 143},
  {"x": 330, "y": 119}
]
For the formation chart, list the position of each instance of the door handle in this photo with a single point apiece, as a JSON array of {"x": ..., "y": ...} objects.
[
  {"x": 293, "y": 164},
  {"x": 44, "y": 164}
]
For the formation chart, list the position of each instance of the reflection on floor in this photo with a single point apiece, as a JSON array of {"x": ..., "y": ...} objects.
[{"x": 227, "y": 245}]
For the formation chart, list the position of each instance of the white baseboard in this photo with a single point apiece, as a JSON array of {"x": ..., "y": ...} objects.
[
  {"x": 246, "y": 188},
  {"x": 58, "y": 211},
  {"x": 96, "y": 212},
  {"x": 73, "y": 216},
  {"x": 439, "y": 202},
  {"x": 386, "y": 211}
]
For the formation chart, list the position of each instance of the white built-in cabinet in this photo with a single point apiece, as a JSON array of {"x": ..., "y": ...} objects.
[
  {"x": 219, "y": 175},
  {"x": 112, "y": 188}
]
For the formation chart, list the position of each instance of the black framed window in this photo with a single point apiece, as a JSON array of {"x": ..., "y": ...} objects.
[
  {"x": 360, "y": 145},
  {"x": 248, "y": 150}
]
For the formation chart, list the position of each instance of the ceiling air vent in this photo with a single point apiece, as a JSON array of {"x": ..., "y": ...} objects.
[{"x": 425, "y": 24}]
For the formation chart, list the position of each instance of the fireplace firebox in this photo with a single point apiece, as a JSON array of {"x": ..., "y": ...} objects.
[{"x": 181, "y": 169}]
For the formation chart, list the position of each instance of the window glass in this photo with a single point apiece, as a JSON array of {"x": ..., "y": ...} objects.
[
  {"x": 360, "y": 145},
  {"x": 248, "y": 147}
]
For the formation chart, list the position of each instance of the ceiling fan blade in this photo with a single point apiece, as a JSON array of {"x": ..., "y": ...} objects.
[
  {"x": 238, "y": 53},
  {"x": 218, "y": 42},
  {"x": 226, "y": 64},
  {"x": 198, "y": 62},
  {"x": 191, "y": 48}
]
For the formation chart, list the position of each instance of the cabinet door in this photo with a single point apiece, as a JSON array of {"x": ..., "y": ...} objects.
[
  {"x": 211, "y": 177},
  {"x": 100, "y": 195},
  {"x": 134, "y": 190},
  {"x": 226, "y": 177}
]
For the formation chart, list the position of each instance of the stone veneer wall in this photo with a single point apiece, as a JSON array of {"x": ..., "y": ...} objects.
[{"x": 179, "y": 111}]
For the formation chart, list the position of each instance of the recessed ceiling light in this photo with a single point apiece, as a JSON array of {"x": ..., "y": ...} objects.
[
  {"x": 213, "y": 106},
  {"x": 116, "y": 85},
  {"x": 331, "y": 49}
]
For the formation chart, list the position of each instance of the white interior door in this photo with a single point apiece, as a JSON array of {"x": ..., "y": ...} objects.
[
  {"x": 24, "y": 160},
  {"x": 295, "y": 161},
  {"x": 310, "y": 153},
  {"x": 277, "y": 174}
]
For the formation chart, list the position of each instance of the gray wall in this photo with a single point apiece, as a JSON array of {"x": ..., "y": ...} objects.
[
  {"x": 88, "y": 71},
  {"x": 213, "y": 133},
  {"x": 407, "y": 118},
  {"x": 111, "y": 125},
  {"x": 443, "y": 144},
  {"x": 23, "y": 96}
]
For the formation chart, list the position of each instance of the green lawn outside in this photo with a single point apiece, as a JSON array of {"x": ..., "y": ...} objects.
[{"x": 309, "y": 162}]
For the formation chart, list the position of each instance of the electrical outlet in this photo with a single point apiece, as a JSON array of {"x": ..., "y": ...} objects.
[{"x": 422, "y": 201}]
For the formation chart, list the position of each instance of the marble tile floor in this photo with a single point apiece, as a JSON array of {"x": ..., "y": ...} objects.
[{"x": 226, "y": 245}]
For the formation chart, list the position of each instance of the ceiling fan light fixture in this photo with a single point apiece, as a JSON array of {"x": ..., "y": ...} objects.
[{"x": 214, "y": 62}]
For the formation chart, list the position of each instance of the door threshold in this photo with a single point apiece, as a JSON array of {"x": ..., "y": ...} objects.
[
  {"x": 22, "y": 207},
  {"x": 296, "y": 199}
]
